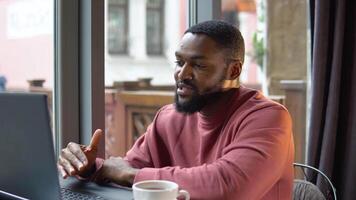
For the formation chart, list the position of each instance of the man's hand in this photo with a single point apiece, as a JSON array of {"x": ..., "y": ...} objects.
[
  {"x": 78, "y": 159},
  {"x": 117, "y": 170}
]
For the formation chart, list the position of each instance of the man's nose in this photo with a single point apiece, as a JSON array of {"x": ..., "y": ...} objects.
[{"x": 185, "y": 72}]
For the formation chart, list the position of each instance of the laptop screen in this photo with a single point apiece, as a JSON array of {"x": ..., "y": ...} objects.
[
  {"x": 28, "y": 167},
  {"x": 7, "y": 196}
]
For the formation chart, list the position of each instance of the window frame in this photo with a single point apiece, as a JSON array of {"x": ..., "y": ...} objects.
[
  {"x": 79, "y": 71},
  {"x": 203, "y": 10}
]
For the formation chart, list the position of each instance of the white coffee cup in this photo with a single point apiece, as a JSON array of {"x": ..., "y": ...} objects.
[{"x": 158, "y": 190}]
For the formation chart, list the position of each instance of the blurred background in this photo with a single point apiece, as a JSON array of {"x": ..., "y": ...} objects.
[
  {"x": 110, "y": 63},
  {"x": 140, "y": 40}
]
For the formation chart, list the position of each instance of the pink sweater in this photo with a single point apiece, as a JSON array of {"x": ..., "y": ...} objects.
[{"x": 244, "y": 152}]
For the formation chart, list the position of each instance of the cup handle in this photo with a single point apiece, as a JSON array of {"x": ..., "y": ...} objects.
[{"x": 184, "y": 193}]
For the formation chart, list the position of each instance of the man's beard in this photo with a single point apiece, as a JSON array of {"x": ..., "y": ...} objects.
[{"x": 197, "y": 101}]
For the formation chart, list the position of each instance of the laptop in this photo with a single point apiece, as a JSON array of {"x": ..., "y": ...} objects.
[{"x": 28, "y": 165}]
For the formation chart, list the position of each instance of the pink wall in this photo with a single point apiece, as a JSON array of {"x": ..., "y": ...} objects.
[{"x": 24, "y": 58}]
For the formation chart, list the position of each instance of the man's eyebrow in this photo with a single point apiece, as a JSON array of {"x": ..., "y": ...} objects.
[{"x": 192, "y": 57}]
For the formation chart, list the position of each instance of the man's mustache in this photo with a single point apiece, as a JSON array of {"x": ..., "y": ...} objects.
[{"x": 186, "y": 83}]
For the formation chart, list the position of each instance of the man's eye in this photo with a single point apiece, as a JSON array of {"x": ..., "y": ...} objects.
[
  {"x": 179, "y": 63},
  {"x": 198, "y": 66}
]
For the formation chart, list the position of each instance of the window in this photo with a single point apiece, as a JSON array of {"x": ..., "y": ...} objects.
[
  {"x": 154, "y": 27},
  {"x": 27, "y": 47},
  {"x": 117, "y": 26},
  {"x": 151, "y": 38},
  {"x": 26, "y": 38}
]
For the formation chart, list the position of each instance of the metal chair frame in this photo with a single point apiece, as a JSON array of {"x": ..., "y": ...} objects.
[{"x": 320, "y": 172}]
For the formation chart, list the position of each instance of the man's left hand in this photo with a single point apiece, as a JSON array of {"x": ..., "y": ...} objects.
[{"x": 117, "y": 170}]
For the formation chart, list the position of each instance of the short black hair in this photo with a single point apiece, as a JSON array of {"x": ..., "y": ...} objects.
[{"x": 226, "y": 35}]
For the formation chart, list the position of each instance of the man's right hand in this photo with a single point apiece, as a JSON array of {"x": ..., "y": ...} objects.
[{"x": 78, "y": 159}]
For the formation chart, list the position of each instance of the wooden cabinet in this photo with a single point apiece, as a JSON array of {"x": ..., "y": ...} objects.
[{"x": 129, "y": 115}]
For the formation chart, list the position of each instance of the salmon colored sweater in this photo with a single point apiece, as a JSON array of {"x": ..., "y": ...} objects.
[{"x": 245, "y": 151}]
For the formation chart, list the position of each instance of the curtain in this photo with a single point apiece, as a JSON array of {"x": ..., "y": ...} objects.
[{"x": 332, "y": 139}]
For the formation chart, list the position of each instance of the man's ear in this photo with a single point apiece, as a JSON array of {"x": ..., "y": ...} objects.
[{"x": 234, "y": 70}]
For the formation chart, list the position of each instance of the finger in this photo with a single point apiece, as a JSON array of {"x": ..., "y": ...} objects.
[
  {"x": 95, "y": 139},
  {"x": 77, "y": 151},
  {"x": 72, "y": 158},
  {"x": 66, "y": 166},
  {"x": 63, "y": 172}
]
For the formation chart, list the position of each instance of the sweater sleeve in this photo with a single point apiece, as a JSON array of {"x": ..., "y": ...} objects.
[
  {"x": 251, "y": 164},
  {"x": 139, "y": 155}
]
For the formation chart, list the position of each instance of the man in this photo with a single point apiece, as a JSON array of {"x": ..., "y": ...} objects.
[{"x": 218, "y": 141}]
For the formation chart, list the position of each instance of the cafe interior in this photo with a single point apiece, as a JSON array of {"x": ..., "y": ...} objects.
[{"x": 110, "y": 64}]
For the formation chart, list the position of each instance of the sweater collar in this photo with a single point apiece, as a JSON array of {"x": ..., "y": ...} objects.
[{"x": 214, "y": 113}]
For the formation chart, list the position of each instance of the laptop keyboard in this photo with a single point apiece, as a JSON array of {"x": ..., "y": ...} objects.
[{"x": 68, "y": 194}]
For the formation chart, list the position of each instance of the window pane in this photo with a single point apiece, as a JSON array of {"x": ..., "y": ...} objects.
[
  {"x": 26, "y": 46},
  {"x": 117, "y": 27},
  {"x": 154, "y": 23},
  {"x": 154, "y": 3},
  {"x": 118, "y": 2},
  {"x": 154, "y": 31}
]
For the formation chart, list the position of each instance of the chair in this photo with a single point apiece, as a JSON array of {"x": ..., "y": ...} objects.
[{"x": 304, "y": 189}]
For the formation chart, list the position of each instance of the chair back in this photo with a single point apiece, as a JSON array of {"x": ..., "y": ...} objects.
[{"x": 304, "y": 189}]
